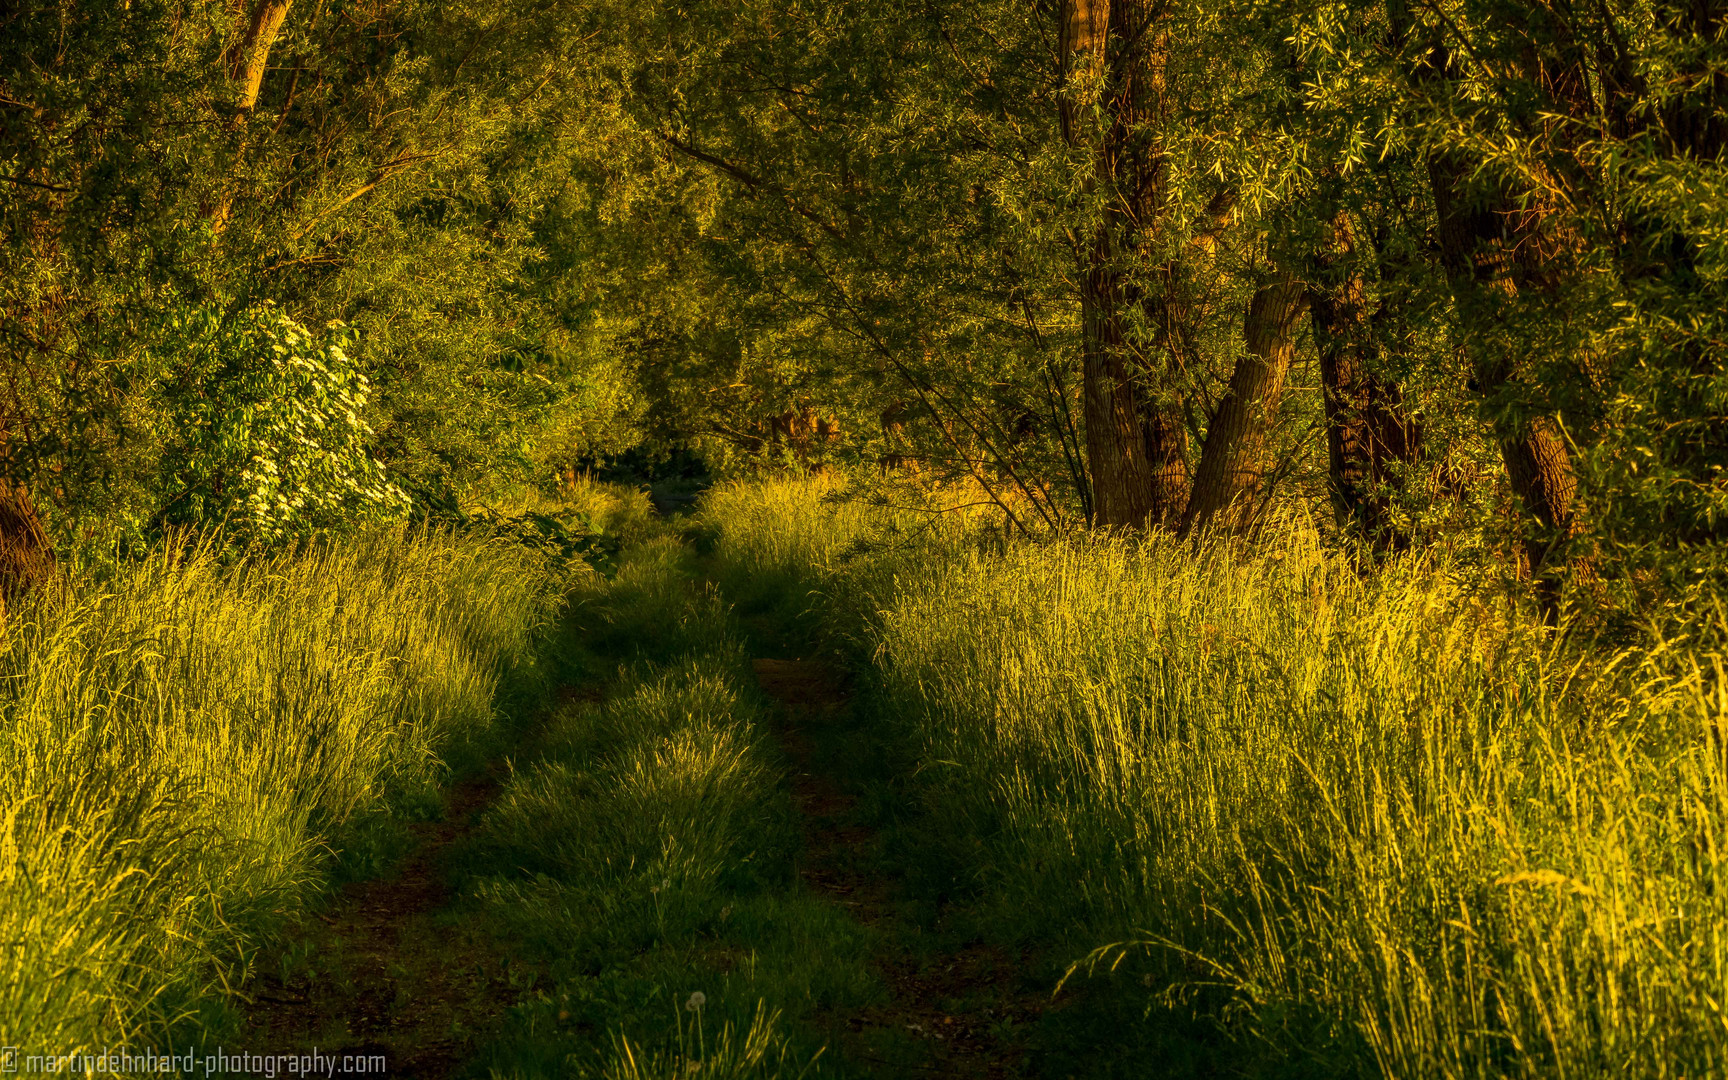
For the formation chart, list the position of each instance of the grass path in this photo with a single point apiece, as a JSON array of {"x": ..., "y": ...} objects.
[
  {"x": 390, "y": 967},
  {"x": 687, "y": 825},
  {"x": 960, "y": 1008}
]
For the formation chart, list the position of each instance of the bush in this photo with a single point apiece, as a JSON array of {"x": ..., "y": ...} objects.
[{"x": 262, "y": 427}]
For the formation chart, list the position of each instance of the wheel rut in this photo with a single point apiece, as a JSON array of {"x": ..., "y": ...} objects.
[
  {"x": 391, "y": 968},
  {"x": 957, "y": 1010}
]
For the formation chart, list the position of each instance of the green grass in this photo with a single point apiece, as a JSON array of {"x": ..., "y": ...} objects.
[
  {"x": 1267, "y": 816},
  {"x": 184, "y": 747},
  {"x": 1359, "y": 826},
  {"x": 642, "y": 853}
]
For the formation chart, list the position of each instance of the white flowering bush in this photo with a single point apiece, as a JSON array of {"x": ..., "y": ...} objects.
[{"x": 265, "y": 429}]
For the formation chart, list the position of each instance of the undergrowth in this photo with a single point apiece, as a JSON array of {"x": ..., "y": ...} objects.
[
  {"x": 1359, "y": 825},
  {"x": 185, "y": 747}
]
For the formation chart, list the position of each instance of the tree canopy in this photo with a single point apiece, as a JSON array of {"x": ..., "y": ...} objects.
[{"x": 1434, "y": 276}]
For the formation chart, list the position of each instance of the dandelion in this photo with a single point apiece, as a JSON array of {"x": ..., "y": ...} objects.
[{"x": 697, "y": 1000}]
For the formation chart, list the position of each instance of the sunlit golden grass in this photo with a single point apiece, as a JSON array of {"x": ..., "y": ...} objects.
[
  {"x": 179, "y": 745},
  {"x": 616, "y": 510},
  {"x": 1408, "y": 831}
]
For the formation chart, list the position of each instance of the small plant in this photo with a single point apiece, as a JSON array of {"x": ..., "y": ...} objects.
[{"x": 759, "y": 1052}]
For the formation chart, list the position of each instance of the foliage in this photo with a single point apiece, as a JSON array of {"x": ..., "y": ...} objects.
[
  {"x": 401, "y": 172},
  {"x": 263, "y": 428}
]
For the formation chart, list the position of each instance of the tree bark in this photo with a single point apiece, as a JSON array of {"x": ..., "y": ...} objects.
[
  {"x": 1169, "y": 312},
  {"x": 1115, "y": 442},
  {"x": 1494, "y": 247},
  {"x": 1232, "y": 459},
  {"x": 1136, "y": 446},
  {"x": 1366, "y": 429},
  {"x": 26, "y": 558},
  {"x": 1140, "y": 167},
  {"x": 1115, "y": 447},
  {"x": 1488, "y": 245},
  {"x": 1085, "y": 28},
  {"x": 248, "y": 61}
]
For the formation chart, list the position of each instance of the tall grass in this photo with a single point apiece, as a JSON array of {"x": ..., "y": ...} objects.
[
  {"x": 180, "y": 745},
  {"x": 1409, "y": 833},
  {"x": 615, "y": 510}
]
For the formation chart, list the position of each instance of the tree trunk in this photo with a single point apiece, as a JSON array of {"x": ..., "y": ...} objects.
[
  {"x": 1366, "y": 429},
  {"x": 248, "y": 61},
  {"x": 1085, "y": 28},
  {"x": 1488, "y": 244},
  {"x": 1232, "y": 460},
  {"x": 1135, "y": 444},
  {"x": 26, "y": 559},
  {"x": 1115, "y": 443},
  {"x": 1493, "y": 246},
  {"x": 1167, "y": 454},
  {"x": 1140, "y": 105},
  {"x": 1115, "y": 447}
]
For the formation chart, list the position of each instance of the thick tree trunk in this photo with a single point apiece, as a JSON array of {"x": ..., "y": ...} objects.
[
  {"x": 1115, "y": 446},
  {"x": 26, "y": 559},
  {"x": 1115, "y": 442},
  {"x": 1366, "y": 429},
  {"x": 1167, "y": 456},
  {"x": 1169, "y": 312},
  {"x": 1085, "y": 29},
  {"x": 1135, "y": 442},
  {"x": 1232, "y": 460},
  {"x": 1139, "y": 109}
]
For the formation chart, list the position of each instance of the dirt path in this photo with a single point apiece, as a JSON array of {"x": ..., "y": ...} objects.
[
  {"x": 386, "y": 970},
  {"x": 960, "y": 1008},
  {"x": 393, "y": 969}
]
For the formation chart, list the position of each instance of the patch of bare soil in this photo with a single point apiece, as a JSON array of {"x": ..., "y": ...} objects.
[
  {"x": 959, "y": 1012},
  {"x": 386, "y": 971}
]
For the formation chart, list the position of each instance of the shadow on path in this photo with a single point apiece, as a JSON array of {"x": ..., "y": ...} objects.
[{"x": 953, "y": 1010}]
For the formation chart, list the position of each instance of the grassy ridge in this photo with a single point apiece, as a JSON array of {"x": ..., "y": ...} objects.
[
  {"x": 639, "y": 862},
  {"x": 1374, "y": 826},
  {"x": 180, "y": 747}
]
